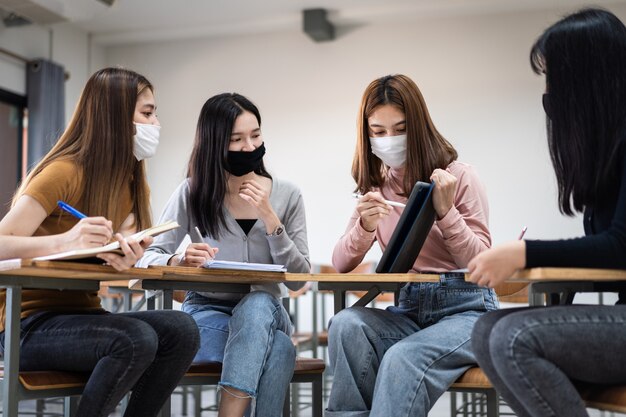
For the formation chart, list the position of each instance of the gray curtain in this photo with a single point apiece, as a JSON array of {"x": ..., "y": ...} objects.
[{"x": 45, "y": 91}]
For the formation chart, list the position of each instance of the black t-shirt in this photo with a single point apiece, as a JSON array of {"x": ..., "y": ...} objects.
[{"x": 604, "y": 243}]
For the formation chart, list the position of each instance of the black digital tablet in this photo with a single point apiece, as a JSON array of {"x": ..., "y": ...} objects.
[{"x": 411, "y": 231}]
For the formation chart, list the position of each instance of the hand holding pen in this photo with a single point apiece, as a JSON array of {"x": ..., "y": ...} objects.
[
  {"x": 197, "y": 252},
  {"x": 98, "y": 231},
  {"x": 372, "y": 208},
  {"x": 89, "y": 232}
]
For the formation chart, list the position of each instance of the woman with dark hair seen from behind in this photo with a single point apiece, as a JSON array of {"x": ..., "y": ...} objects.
[
  {"x": 97, "y": 166},
  {"x": 399, "y": 361},
  {"x": 532, "y": 356},
  {"x": 242, "y": 214}
]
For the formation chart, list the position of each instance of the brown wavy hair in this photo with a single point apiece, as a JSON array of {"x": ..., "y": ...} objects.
[
  {"x": 99, "y": 139},
  {"x": 427, "y": 149}
]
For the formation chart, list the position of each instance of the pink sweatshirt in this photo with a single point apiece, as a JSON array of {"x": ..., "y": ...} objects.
[{"x": 455, "y": 239}]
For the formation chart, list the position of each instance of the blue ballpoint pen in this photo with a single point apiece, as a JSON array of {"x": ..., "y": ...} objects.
[{"x": 71, "y": 210}]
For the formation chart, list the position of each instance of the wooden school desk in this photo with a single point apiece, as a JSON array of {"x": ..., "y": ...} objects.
[
  {"x": 44, "y": 275},
  {"x": 561, "y": 284},
  {"x": 236, "y": 281}
]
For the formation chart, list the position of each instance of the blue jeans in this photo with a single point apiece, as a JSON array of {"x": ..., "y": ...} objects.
[
  {"x": 146, "y": 352},
  {"x": 251, "y": 339},
  {"x": 534, "y": 356},
  {"x": 398, "y": 362}
]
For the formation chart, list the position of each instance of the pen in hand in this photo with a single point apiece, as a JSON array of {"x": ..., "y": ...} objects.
[
  {"x": 521, "y": 235},
  {"x": 71, "y": 210},
  {"x": 197, "y": 236},
  {"x": 391, "y": 203}
]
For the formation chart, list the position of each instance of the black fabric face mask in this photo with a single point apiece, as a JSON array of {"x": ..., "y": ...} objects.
[
  {"x": 240, "y": 163},
  {"x": 545, "y": 100}
]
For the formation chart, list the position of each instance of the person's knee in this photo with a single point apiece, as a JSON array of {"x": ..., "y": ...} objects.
[
  {"x": 134, "y": 341},
  {"x": 284, "y": 347},
  {"x": 348, "y": 327},
  {"x": 183, "y": 330},
  {"x": 511, "y": 337}
]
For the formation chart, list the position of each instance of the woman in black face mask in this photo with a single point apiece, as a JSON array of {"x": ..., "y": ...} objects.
[{"x": 235, "y": 211}]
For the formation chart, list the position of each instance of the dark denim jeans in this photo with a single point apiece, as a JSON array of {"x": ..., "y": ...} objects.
[
  {"x": 146, "y": 352},
  {"x": 534, "y": 356}
]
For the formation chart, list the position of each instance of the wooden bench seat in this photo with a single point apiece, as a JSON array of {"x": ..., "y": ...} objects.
[
  {"x": 303, "y": 366},
  {"x": 608, "y": 398},
  {"x": 601, "y": 397},
  {"x": 48, "y": 384}
]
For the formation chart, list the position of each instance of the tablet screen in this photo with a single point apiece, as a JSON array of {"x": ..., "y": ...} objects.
[{"x": 411, "y": 231}]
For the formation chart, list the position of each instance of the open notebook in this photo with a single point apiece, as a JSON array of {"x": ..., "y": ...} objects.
[
  {"x": 111, "y": 247},
  {"x": 10, "y": 264},
  {"x": 244, "y": 266}
]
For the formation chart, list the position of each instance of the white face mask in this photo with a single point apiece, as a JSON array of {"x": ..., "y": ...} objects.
[
  {"x": 390, "y": 149},
  {"x": 146, "y": 140}
]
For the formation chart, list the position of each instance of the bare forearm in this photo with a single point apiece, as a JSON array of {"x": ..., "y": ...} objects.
[{"x": 29, "y": 246}]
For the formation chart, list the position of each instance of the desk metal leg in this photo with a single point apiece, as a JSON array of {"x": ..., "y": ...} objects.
[
  {"x": 370, "y": 296},
  {"x": 535, "y": 298},
  {"x": 168, "y": 299},
  {"x": 150, "y": 302},
  {"x": 11, "y": 351},
  {"x": 70, "y": 404},
  {"x": 340, "y": 300}
]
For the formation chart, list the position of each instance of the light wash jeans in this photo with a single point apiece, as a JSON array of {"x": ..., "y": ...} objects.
[
  {"x": 531, "y": 355},
  {"x": 147, "y": 352},
  {"x": 397, "y": 362},
  {"x": 252, "y": 340}
]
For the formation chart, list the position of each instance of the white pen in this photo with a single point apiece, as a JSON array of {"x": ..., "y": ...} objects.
[
  {"x": 391, "y": 203},
  {"x": 198, "y": 236}
]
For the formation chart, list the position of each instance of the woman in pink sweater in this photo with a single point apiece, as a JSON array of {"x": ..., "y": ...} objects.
[{"x": 400, "y": 360}]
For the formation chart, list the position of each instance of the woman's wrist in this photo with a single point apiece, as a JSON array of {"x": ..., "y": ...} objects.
[
  {"x": 59, "y": 244},
  {"x": 271, "y": 223}
]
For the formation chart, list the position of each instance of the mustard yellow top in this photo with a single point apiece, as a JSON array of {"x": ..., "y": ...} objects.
[{"x": 61, "y": 180}]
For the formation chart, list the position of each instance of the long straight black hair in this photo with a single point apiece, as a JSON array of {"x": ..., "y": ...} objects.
[
  {"x": 208, "y": 178},
  {"x": 584, "y": 59}
]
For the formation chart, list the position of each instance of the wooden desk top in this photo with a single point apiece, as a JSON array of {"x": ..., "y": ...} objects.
[
  {"x": 178, "y": 273},
  {"x": 75, "y": 270},
  {"x": 568, "y": 274}
]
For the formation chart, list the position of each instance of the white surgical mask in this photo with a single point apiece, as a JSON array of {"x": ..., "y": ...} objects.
[
  {"x": 146, "y": 140},
  {"x": 390, "y": 149}
]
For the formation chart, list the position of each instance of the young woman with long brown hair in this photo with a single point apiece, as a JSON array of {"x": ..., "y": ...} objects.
[
  {"x": 97, "y": 166},
  {"x": 397, "y": 362}
]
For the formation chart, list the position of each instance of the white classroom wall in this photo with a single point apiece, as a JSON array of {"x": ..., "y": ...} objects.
[{"x": 473, "y": 71}]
